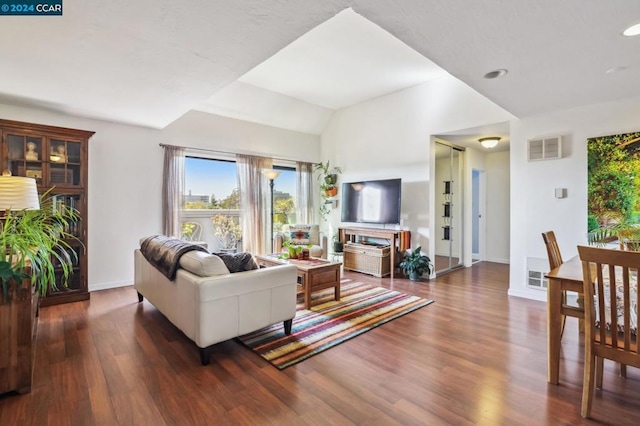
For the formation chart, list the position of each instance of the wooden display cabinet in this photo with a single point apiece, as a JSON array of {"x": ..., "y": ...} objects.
[{"x": 57, "y": 158}]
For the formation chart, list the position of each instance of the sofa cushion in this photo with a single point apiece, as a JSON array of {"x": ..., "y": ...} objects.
[
  {"x": 203, "y": 264},
  {"x": 238, "y": 262},
  {"x": 299, "y": 234}
]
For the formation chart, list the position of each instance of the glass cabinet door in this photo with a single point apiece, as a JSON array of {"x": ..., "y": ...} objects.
[
  {"x": 64, "y": 163},
  {"x": 24, "y": 156}
]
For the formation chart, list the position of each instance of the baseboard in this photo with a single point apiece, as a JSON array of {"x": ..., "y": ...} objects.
[
  {"x": 529, "y": 294},
  {"x": 495, "y": 260},
  {"x": 106, "y": 286}
]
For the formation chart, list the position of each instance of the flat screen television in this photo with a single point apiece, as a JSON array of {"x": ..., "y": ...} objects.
[{"x": 372, "y": 201}]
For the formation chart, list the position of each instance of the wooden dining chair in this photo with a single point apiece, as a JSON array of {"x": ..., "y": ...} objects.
[
  {"x": 555, "y": 260},
  {"x": 611, "y": 312}
]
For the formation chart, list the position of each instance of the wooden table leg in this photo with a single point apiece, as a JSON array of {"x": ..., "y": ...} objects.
[
  {"x": 336, "y": 293},
  {"x": 554, "y": 325}
]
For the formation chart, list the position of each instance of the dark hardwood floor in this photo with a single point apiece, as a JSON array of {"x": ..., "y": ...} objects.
[{"x": 475, "y": 356}]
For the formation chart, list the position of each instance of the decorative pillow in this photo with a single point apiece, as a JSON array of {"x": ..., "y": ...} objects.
[
  {"x": 238, "y": 262},
  {"x": 203, "y": 264},
  {"x": 299, "y": 234}
]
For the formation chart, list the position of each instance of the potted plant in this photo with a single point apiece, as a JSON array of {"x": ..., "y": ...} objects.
[
  {"x": 226, "y": 231},
  {"x": 293, "y": 251},
  {"x": 36, "y": 240},
  {"x": 35, "y": 253},
  {"x": 329, "y": 190},
  {"x": 338, "y": 246},
  {"x": 327, "y": 173},
  {"x": 415, "y": 264},
  {"x": 328, "y": 177}
]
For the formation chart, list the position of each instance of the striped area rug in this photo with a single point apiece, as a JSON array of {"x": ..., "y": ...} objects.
[{"x": 329, "y": 323}]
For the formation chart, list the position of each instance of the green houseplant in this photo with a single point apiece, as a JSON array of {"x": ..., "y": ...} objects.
[
  {"x": 36, "y": 257},
  {"x": 292, "y": 251},
  {"x": 36, "y": 241},
  {"x": 414, "y": 264},
  {"x": 328, "y": 178},
  {"x": 338, "y": 246},
  {"x": 226, "y": 231}
]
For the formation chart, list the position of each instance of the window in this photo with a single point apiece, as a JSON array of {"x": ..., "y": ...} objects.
[
  {"x": 211, "y": 210},
  {"x": 284, "y": 198},
  {"x": 210, "y": 184}
]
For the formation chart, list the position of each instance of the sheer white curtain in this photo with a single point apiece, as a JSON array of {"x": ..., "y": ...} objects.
[
  {"x": 172, "y": 190},
  {"x": 305, "y": 211},
  {"x": 254, "y": 194}
]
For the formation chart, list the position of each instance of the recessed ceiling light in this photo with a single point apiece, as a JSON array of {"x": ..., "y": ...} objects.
[
  {"x": 496, "y": 73},
  {"x": 633, "y": 30},
  {"x": 615, "y": 69}
]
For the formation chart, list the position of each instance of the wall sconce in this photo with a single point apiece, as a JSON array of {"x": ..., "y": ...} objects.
[{"x": 490, "y": 142}]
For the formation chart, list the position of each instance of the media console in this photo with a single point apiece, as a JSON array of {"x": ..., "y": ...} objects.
[{"x": 398, "y": 240}]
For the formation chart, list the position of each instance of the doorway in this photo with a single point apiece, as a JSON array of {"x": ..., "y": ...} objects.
[
  {"x": 449, "y": 208},
  {"x": 478, "y": 211}
]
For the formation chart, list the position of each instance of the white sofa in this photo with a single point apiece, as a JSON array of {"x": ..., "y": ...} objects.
[{"x": 210, "y": 305}]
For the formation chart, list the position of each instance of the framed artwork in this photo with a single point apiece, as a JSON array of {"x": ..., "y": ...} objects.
[{"x": 613, "y": 165}]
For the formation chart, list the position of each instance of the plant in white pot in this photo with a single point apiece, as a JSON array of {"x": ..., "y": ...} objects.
[
  {"x": 415, "y": 264},
  {"x": 226, "y": 231}
]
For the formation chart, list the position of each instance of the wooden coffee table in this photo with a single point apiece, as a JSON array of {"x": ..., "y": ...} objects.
[{"x": 313, "y": 274}]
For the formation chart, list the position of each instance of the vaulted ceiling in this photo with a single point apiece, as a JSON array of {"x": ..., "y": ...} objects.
[{"x": 150, "y": 61}]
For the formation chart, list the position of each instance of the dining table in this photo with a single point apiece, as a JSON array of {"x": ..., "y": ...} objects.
[{"x": 566, "y": 277}]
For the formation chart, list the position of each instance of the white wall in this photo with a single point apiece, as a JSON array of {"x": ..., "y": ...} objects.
[
  {"x": 533, "y": 206},
  {"x": 498, "y": 209},
  {"x": 125, "y": 175},
  {"x": 390, "y": 137}
]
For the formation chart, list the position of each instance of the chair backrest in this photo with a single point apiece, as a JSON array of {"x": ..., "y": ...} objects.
[
  {"x": 611, "y": 292},
  {"x": 553, "y": 251},
  {"x": 191, "y": 231},
  {"x": 311, "y": 232}
]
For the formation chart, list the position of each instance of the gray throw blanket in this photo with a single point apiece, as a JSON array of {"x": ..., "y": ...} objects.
[{"x": 164, "y": 253}]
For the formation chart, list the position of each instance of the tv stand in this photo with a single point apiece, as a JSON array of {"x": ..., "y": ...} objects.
[{"x": 398, "y": 239}]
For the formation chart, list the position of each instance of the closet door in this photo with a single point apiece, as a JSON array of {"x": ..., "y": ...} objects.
[{"x": 448, "y": 244}]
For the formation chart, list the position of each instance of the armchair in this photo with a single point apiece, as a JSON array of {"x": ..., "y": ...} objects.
[{"x": 302, "y": 234}]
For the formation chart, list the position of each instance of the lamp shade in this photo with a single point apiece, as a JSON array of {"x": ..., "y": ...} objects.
[
  {"x": 490, "y": 142},
  {"x": 272, "y": 174},
  {"x": 18, "y": 193}
]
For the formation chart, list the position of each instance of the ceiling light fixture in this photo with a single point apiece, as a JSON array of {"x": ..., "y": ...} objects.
[
  {"x": 496, "y": 73},
  {"x": 490, "y": 142},
  {"x": 633, "y": 30}
]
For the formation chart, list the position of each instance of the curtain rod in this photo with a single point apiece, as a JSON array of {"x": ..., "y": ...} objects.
[{"x": 226, "y": 152}]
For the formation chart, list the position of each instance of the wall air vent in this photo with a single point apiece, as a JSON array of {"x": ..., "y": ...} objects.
[
  {"x": 544, "y": 149},
  {"x": 537, "y": 280},
  {"x": 536, "y": 270}
]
